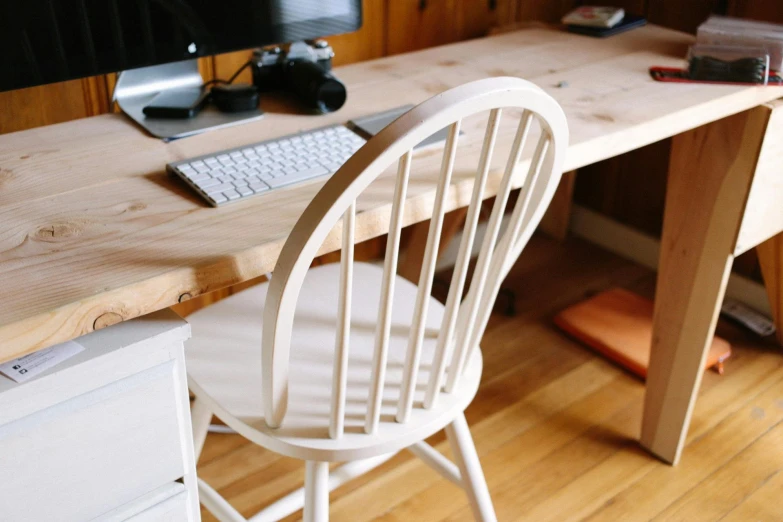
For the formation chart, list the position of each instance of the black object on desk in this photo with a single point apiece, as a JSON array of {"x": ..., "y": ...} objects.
[
  {"x": 176, "y": 103},
  {"x": 304, "y": 69},
  {"x": 234, "y": 97}
]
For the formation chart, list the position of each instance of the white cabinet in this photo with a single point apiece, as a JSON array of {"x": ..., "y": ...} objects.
[{"x": 104, "y": 430}]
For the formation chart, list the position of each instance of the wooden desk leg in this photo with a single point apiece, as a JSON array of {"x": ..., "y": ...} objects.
[
  {"x": 770, "y": 254},
  {"x": 558, "y": 215},
  {"x": 710, "y": 172}
]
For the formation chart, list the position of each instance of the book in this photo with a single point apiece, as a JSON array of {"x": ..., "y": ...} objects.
[
  {"x": 628, "y": 22},
  {"x": 618, "y": 325},
  {"x": 594, "y": 16}
]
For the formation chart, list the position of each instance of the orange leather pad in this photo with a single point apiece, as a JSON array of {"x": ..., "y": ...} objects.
[{"x": 618, "y": 324}]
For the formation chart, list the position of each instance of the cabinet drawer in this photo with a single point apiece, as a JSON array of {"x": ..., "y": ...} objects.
[
  {"x": 168, "y": 503},
  {"x": 87, "y": 455},
  {"x": 174, "y": 509}
]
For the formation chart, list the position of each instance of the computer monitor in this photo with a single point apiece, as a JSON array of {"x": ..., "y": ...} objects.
[{"x": 45, "y": 41}]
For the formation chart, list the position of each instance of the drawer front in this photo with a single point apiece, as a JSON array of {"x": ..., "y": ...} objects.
[
  {"x": 85, "y": 456},
  {"x": 168, "y": 503},
  {"x": 174, "y": 509}
]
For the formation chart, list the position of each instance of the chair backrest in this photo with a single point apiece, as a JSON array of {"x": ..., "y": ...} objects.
[{"x": 337, "y": 201}]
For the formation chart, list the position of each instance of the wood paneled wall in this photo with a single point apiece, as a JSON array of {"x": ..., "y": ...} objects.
[{"x": 629, "y": 188}]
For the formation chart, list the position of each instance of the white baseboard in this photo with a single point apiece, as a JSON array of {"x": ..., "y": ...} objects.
[{"x": 643, "y": 249}]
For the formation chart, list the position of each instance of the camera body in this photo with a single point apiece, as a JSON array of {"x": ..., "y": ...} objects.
[{"x": 303, "y": 69}]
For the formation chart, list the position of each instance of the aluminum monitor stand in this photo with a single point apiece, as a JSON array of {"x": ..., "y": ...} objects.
[{"x": 136, "y": 87}]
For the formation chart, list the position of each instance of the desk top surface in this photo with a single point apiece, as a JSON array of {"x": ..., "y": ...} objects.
[{"x": 94, "y": 230}]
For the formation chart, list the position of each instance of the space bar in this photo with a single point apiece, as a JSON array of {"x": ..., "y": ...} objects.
[{"x": 294, "y": 177}]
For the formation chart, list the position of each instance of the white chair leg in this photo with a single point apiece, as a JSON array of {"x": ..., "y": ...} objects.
[
  {"x": 200, "y": 416},
  {"x": 316, "y": 506},
  {"x": 467, "y": 459}
]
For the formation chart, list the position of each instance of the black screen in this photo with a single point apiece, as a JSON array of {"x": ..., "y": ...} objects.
[{"x": 44, "y": 41}]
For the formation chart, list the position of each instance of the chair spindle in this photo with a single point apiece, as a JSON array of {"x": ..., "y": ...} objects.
[
  {"x": 516, "y": 223},
  {"x": 340, "y": 373},
  {"x": 413, "y": 354},
  {"x": 380, "y": 353},
  {"x": 446, "y": 334},
  {"x": 485, "y": 255}
]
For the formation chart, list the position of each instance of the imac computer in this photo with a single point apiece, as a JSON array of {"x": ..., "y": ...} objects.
[{"x": 155, "y": 44}]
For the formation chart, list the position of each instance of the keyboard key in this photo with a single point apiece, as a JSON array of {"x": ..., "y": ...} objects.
[
  {"x": 296, "y": 176},
  {"x": 332, "y": 167},
  {"x": 259, "y": 187},
  {"x": 232, "y": 194},
  {"x": 220, "y": 188},
  {"x": 244, "y": 191},
  {"x": 190, "y": 173},
  {"x": 211, "y": 182}
]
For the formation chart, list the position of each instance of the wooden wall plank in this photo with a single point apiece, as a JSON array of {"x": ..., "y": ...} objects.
[
  {"x": 765, "y": 10},
  {"x": 629, "y": 188},
  {"x": 476, "y": 17},
  {"x": 550, "y": 11},
  {"x": 368, "y": 42},
  {"x": 418, "y": 24},
  {"x": 43, "y": 105},
  {"x": 683, "y": 16}
]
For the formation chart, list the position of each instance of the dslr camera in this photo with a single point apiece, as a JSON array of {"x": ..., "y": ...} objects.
[{"x": 302, "y": 69}]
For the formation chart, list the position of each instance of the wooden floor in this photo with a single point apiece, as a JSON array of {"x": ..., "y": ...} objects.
[{"x": 556, "y": 426}]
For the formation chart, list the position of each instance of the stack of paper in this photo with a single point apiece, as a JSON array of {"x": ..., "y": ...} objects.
[{"x": 725, "y": 31}]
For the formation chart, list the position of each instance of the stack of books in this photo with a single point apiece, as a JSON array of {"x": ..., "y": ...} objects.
[
  {"x": 594, "y": 16},
  {"x": 601, "y": 21}
]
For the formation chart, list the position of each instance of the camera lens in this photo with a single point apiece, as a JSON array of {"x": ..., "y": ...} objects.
[{"x": 317, "y": 88}]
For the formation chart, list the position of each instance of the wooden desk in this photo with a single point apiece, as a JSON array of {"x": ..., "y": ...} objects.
[{"x": 94, "y": 231}]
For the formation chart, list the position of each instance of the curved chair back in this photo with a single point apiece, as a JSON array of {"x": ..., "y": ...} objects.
[{"x": 464, "y": 321}]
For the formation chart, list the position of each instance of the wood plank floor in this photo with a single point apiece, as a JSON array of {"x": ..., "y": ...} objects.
[{"x": 556, "y": 426}]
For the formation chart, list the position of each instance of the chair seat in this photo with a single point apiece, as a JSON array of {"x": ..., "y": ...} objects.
[{"x": 224, "y": 368}]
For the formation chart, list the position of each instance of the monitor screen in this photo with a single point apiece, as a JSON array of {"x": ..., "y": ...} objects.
[{"x": 44, "y": 41}]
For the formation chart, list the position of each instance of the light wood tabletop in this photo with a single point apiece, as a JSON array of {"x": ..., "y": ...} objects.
[{"x": 94, "y": 231}]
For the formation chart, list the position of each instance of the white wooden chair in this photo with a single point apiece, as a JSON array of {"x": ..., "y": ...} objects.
[{"x": 358, "y": 377}]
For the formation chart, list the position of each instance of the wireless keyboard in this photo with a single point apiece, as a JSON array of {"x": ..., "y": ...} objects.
[{"x": 236, "y": 174}]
